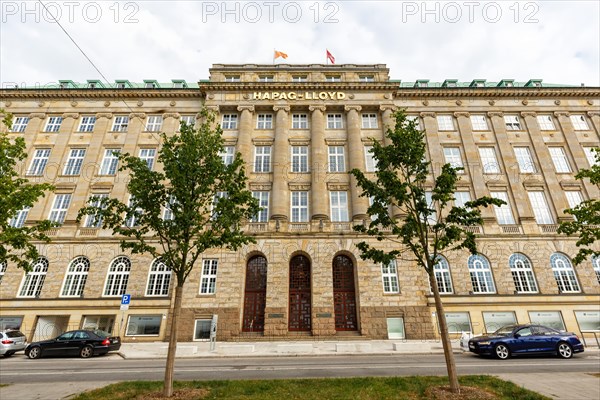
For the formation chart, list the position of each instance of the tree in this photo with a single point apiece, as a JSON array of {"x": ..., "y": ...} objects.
[
  {"x": 428, "y": 225},
  {"x": 586, "y": 216},
  {"x": 17, "y": 194},
  {"x": 205, "y": 199}
]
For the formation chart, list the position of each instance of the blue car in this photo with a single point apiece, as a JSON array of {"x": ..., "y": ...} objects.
[{"x": 513, "y": 340}]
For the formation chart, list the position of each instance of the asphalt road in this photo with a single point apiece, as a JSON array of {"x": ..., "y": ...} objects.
[{"x": 19, "y": 369}]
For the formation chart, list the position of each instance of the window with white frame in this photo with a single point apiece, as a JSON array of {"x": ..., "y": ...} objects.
[
  {"x": 523, "y": 155},
  {"x": 19, "y": 124},
  {"x": 120, "y": 123},
  {"x": 136, "y": 212},
  {"x": 595, "y": 265},
  {"x": 214, "y": 208},
  {"x": 53, "y": 124},
  {"x": 74, "y": 162},
  {"x": 512, "y": 123},
  {"x": 154, "y": 123},
  {"x": 574, "y": 197},
  {"x": 110, "y": 162},
  {"x": 299, "y": 206},
  {"x": 159, "y": 279},
  {"x": 143, "y": 325},
  {"x": 339, "y": 206},
  {"x": 299, "y": 78},
  {"x": 227, "y": 154},
  {"x": 389, "y": 276},
  {"x": 370, "y": 162},
  {"x": 415, "y": 119},
  {"x": 546, "y": 122},
  {"x": 229, "y": 121},
  {"x": 168, "y": 212},
  {"x": 564, "y": 273},
  {"x": 366, "y": 78},
  {"x": 77, "y": 274},
  {"x": 3, "y": 266},
  {"x": 481, "y": 274},
  {"x": 232, "y": 78},
  {"x": 541, "y": 211},
  {"x": 87, "y": 123},
  {"x": 579, "y": 122},
  {"x": 208, "y": 281},
  {"x": 147, "y": 156},
  {"x": 117, "y": 277},
  {"x": 432, "y": 212},
  {"x": 34, "y": 279},
  {"x": 39, "y": 162},
  {"x": 20, "y": 217},
  {"x": 489, "y": 162},
  {"x": 264, "y": 121},
  {"x": 60, "y": 207},
  {"x": 263, "y": 202},
  {"x": 479, "y": 123},
  {"x": 299, "y": 121},
  {"x": 369, "y": 121},
  {"x": 445, "y": 123},
  {"x": 591, "y": 155},
  {"x": 95, "y": 220},
  {"x": 441, "y": 271},
  {"x": 334, "y": 121},
  {"x": 299, "y": 158},
  {"x": 522, "y": 273},
  {"x": 559, "y": 159},
  {"x": 333, "y": 78},
  {"x": 189, "y": 120},
  {"x": 202, "y": 329},
  {"x": 265, "y": 78},
  {"x": 262, "y": 158},
  {"x": 452, "y": 157},
  {"x": 461, "y": 197},
  {"x": 336, "y": 159},
  {"x": 504, "y": 213}
]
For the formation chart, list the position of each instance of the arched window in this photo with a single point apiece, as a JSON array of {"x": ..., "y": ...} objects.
[
  {"x": 522, "y": 273},
  {"x": 481, "y": 274},
  {"x": 564, "y": 273},
  {"x": 118, "y": 276},
  {"x": 76, "y": 277},
  {"x": 34, "y": 280},
  {"x": 3, "y": 266},
  {"x": 595, "y": 264},
  {"x": 442, "y": 275},
  {"x": 159, "y": 279}
]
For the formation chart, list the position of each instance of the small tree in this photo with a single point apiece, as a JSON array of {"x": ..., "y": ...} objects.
[
  {"x": 205, "y": 202},
  {"x": 426, "y": 227},
  {"x": 16, "y": 194},
  {"x": 587, "y": 216}
]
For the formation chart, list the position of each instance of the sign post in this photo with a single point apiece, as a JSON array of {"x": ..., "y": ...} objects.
[
  {"x": 213, "y": 332},
  {"x": 125, "y": 300}
]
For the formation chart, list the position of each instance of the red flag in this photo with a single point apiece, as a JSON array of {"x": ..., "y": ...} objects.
[{"x": 330, "y": 57}]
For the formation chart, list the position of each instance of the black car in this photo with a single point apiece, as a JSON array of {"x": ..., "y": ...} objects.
[
  {"x": 82, "y": 343},
  {"x": 526, "y": 339}
]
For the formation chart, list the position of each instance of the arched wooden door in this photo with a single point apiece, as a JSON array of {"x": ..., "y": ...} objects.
[
  {"x": 255, "y": 295},
  {"x": 300, "y": 300},
  {"x": 344, "y": 295}
]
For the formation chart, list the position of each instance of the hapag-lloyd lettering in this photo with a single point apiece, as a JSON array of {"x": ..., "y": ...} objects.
[{"x": 299, "y": 96}]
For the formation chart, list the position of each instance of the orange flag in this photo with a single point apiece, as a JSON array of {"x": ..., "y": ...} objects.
[{"x": 280, "y": 54}]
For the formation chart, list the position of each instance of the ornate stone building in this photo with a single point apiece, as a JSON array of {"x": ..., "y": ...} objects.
[{"x": 300, "y": 129}]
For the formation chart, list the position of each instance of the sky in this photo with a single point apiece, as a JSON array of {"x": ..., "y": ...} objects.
[{"x": 554, "y": 40}]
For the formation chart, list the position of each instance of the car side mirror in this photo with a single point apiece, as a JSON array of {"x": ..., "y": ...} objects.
[{"x": 517, "y": 335}]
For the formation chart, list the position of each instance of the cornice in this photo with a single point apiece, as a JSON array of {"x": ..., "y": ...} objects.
[
  {"x": 72, "y": 94},
  {"x": 206, "y": 87},
  {"x": 529, "y": 93}
]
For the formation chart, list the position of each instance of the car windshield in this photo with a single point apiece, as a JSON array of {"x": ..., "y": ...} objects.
[{"x": 504, "y": 331}]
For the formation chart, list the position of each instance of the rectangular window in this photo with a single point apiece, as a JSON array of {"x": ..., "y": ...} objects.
[
  {"x": 208, "y": 281},
  {"x": 74, "y": 162},
  {"x": 445, "y": 123},
  {"x": 369, "y": 121},
  {"x": 263, "y": 202},
  {"x": 370, "y": 163},
  {"x": 87, "y": 123},
  {"x": 540, "y": 208},
  {"x": 551, "y": 319},
  {"x": 479, "y": 123},
  {"x": 489, "y": 162},
  {"x": 366, "y": 78},
  {"x": 336, "y": 159},
  {"x": 143, "y": 325},
  {"x": 262, "y": 159},
  {"x": 389, "y": 275},
  {"x": 523, "y": 155},
  {"x": 154, "y": 123},
  {"x": 496, "y": 320},
  {"x": 11, "y": 323},
  {"x": 18, "y": 221},
  {"x": 415, "y": 119},
  {"x": 333, "y": 78},
  {"x": 299, "y": 158},
  {"x": 591, "y": 155},
  {"x": 53, "y": 124},
  {"x": 461, "y": 197},
  {"x": 432, "y": 215},
  {"x": 189, "y": 120},
  {"x": 213, "y": 208},
  {"x": 202, "y": 329},
  {"x": 299, "y": 78},
  {"x": 512, "y": 123},
  {"x": 299, "y": 203},
  {"x": 19, "y": 124},
  {"x": 452, "y": 157},
  {"x": 110, "y": 162},
  {"x": 574, "y": 198},
  {"x": 120, "y": 123},
  {"x": 103, "y": 322},
  {"x": 227, "y": 155},
  {"x": 545, "y": 122},
  {"x": 133, "y": 219},
  {"x": 38, "y": 164},
  {"x": 458, "y": 322},
  {"x": 95, "y": 221},
  {"x": 168, "y": 212},
  {"x": 264, "y": 121},
  {"x": 299, "y": 121},
  {"x": 559, "y": 159},
  {"x": 232, "y": 78},
  {"x": 334, "y": 121},
  {"x": 266, "y": 78},
  {"x": 59, "y": 208},
  {"x": 339, "y": 206},
  {"x": 395, "y": 328},
  {"x": 504, "y": 213},
  {"x": 229, "y": 121},
  {"x": 588, "y": 320},
  {"x": 579, "y": 122},
  {"x": 147, "y": 155}
]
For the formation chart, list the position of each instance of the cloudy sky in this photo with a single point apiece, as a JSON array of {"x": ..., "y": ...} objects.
[{"x": 555, "y": 40}]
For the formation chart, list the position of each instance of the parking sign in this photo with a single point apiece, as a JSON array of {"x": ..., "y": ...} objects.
[{"x": 125, "y": 300}]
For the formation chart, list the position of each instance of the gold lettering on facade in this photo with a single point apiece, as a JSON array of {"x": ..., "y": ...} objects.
[{"x": 299, "y": 96}]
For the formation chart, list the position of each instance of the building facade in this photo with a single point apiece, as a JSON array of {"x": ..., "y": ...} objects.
[{"x": 300, "y": 129}]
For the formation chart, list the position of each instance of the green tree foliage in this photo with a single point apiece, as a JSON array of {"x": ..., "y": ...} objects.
[
  {"x": 17, "y": 193},
  {"x": 426, "y": 228},
  {"x": 587, "y": 216}
]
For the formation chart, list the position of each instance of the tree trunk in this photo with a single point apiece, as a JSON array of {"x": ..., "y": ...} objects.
[
  {"x": 441, "y": 317},
  {"x": 170, "y": 367}
]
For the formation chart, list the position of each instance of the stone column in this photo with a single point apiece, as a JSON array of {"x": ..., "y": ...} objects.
[
  {"x": 356, "y": 159},
  {"x": 171, "y": 123},
  {"x": 318, "y": 206},
  {"x": 280, "y": 194},
  {"x": 33, "y": 129},
  {"x": 387, "y": 119},
  {"x": 595, "y": 118},
  {"x": 436, "y": 156},
  {"x": 244, "y": 141}
]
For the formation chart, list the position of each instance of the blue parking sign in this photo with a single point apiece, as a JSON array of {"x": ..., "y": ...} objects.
[{"x": 125, "y": 299}]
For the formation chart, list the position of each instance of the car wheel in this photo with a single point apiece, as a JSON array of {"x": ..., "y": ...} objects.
[
  {"x": 502, "y": 351},
  {"x": 34, "y": 352},
  {"x": 86, "y": 352},
  {"x": 564, "y": 350}
]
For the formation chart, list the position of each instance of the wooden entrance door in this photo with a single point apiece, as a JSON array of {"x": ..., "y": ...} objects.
[
  {"x": 344, "y": 295},
  {"x": 255, "y": 295},
  {"x": 300, "y": 300}
]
